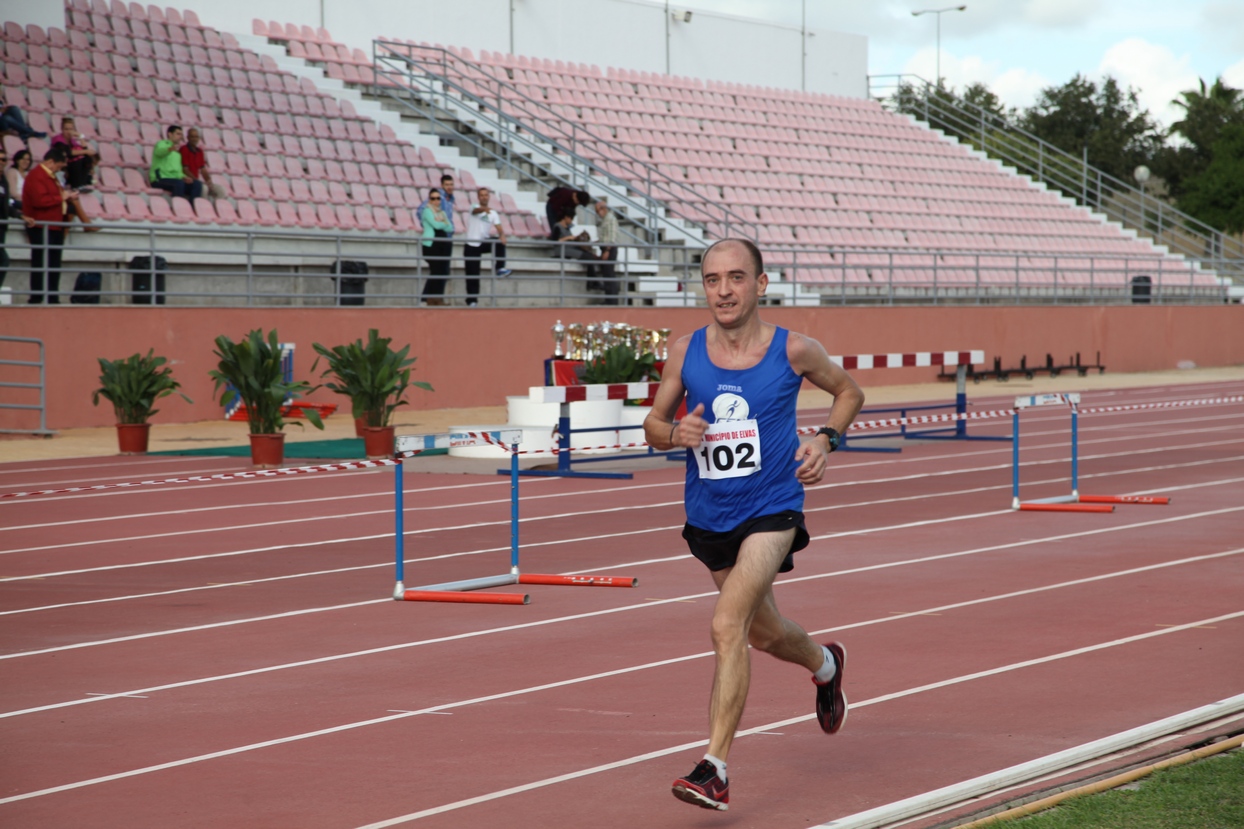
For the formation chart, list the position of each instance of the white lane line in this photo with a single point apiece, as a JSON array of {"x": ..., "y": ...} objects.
[
  {"x": 640, "y": 758},
  {"x": 604, "y": 536},
  {"x": 553, "y": 516},
  {"x": 655, "y": 603},
  {"x": 580, "y": 680},
  {"x": 106, "y": 460}
]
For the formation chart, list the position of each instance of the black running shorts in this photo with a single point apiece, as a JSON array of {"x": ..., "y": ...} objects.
[{"x": 721, "y": 550}]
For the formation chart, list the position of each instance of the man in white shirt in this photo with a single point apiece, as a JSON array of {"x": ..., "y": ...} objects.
[{"x": 483, "y": 233}]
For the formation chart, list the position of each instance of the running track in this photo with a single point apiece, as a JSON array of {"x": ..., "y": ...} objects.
[{"x": 225, "y": 654}]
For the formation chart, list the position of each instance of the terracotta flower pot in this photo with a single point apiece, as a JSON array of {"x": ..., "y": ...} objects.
[
  {"x": 132, "y": 438},
  {"x": 378, "y": 442},
  {"x": 268, "y": 451},
  {"x": 360, "y": 423}
]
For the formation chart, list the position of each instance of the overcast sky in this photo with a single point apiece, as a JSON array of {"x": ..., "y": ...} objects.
[{"x": 1018, "y": 47}]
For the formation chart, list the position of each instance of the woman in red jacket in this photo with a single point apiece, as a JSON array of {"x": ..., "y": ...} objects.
[{"x": 43, "y": 207}]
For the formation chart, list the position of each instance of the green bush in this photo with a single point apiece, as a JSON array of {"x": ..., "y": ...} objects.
[
  {"x": 371, "y": 374},
  {"x": 250, "y": 369},
  {"x": 134, "y": 384}
]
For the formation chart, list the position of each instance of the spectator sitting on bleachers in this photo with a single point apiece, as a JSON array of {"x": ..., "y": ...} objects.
[
  {"x": 16, "y": 175},
  {"x": 572, "y": 246},
  {"x": 563, "y": 202},
  {"x": 194, "y": 165},
  {"x": 166, "y": 169},
  {"x": 80, "y": 172},
  {"x": 13, "y": 122}
]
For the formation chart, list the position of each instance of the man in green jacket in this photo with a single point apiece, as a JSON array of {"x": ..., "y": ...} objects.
[{"x": 166, "y": 171}]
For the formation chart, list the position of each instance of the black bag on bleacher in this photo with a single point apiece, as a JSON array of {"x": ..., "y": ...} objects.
[
  {"x": 140, "y": 280},
  {"x": 86, "y": 288},
  {"x": 350, "y": 289}
]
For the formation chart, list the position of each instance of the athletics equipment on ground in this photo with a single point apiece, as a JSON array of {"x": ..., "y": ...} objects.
[
  {"x": 1073, "y": 501},
  {"x": 461, "y": 591}
]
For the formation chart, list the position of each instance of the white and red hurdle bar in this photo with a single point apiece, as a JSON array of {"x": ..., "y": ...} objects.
[
  {"x": 641, "y": 391},
  {"x": 461, "y": 591}
]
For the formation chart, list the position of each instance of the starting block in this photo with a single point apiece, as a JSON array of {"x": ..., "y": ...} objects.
[
  {"x": 461, "y": 591},
  {"x": 1074, "y": 501}
]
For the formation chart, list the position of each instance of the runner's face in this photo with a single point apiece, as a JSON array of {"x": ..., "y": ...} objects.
[{"x": 733, "y": 291}]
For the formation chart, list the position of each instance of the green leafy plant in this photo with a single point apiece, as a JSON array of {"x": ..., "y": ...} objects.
[
  {"x": 134, "y": 384},
  {"x": 371, "y": 374},
  {"x": 619, "y": 364},
  {"x": 250, "y": 369}
]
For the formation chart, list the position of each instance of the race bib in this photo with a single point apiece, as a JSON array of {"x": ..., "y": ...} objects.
[{"x": 730, "y": 449}]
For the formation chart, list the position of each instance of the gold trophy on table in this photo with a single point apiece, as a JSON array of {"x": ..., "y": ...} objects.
[{"x": 559, "y": 340}]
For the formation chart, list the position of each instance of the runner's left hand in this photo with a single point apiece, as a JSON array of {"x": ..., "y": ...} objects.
[{"x": 812, "y": 459}]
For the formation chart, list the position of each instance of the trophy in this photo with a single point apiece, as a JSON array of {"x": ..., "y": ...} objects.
[
  {"x": 559, "y": 339},
  {"x": 592, "y": 338},
  {"x": 662, "y": 344},
  {"x": 575, "y": 330}
]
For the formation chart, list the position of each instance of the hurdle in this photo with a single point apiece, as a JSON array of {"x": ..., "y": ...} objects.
[
  {"x": 961, "y": 360},
  {"x": 461, "y": 591},
  {"x": 1074, "y": 501}
]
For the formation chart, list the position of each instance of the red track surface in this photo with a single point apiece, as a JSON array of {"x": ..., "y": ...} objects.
[{"x": 257, "y": 675}]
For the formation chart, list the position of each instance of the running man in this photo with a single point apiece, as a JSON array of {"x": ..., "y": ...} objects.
[{"x": 746, "y": 473}]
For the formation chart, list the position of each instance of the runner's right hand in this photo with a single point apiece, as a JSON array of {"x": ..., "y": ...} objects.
[{"x": 691, "y": 428}]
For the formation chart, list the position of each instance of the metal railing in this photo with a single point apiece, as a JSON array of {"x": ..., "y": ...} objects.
[
  {"x": 532, "y": 141},
  {"x": 41, "y": 386},
  {"x": 1075, "y": 177},
  {"x": 276, "y": 267}
]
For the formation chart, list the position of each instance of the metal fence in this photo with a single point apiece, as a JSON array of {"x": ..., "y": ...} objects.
[
  {"x": 202, "y": 266},
  {"x": 22, "y": 369}
]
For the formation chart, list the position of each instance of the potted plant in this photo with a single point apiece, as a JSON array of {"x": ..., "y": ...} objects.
[
  {"x": 250, "y": 370},
  {"x": 375, "y": 378},
  {"x": 133, "y": 385},
  {"x": 619, "y": 364}
]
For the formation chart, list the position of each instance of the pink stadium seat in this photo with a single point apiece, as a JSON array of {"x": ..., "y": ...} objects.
[
  {"x": 364, "y": 218},
  {"x": 112, "y": 208},
  {"x": 182, "y": 212},
  {"x": 345, "y": 217},
  {"x": 204, "y": 212},
  {"x": 287, "y": 214},
  {"x": 136, "y": 209},
  {"x": 225, "y": 213},
  {"x": 381, "y": 219},
  {"x": 248, "y": 213}
]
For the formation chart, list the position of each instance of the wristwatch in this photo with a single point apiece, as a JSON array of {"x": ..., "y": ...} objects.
[{"x": 832, "y": 434}]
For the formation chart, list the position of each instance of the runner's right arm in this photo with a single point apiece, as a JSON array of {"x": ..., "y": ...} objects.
[{"x": 660, "y": 430}]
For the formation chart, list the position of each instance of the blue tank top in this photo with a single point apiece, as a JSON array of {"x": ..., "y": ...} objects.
[{"x": 765, "y": 393}]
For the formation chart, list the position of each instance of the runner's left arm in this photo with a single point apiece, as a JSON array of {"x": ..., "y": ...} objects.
[{"x": 809, "y": 358}]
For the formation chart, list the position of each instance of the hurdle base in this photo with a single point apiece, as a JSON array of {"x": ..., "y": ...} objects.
[
  {"x": 1063, "y": 506},
  {"x": 557, "y": 473},
  {"x": 465, "y": 597},
  {"x": 1157, "y": 500},
  {"x": 578, "y": 581}
]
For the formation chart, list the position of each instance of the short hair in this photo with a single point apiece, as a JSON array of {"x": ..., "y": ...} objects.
[
  {"x": 583, "y": 197},
  {"x": 66, "y": 119},
  {"x": 172, "y": 128},
  {"x": 433, "y": 192},
  {"x": 446, "y": 177},
  {"x": 753, "y": 253},
  {"x": 482, "y": 190},
  {"x": 57, "y": 153}
]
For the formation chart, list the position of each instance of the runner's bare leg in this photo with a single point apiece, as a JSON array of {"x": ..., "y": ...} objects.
[{"x": 746, "y": 610}]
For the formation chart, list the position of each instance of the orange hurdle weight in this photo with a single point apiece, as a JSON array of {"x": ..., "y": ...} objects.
[
  {"x": 1125, "y": 499},
  {"x": 579, "y": 581}
]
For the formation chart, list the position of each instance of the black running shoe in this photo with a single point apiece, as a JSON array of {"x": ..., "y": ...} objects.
[
  {"x": 703, "y": 788},
  {"x": 831, "y": 703}
]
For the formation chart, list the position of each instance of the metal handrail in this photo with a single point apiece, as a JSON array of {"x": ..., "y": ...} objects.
[
  {"x": 537, "y": 132},
  {"x": 1075, "y": 177},
  {"x": 241, "y": 268},
  {"x": 42, "y": 408}
]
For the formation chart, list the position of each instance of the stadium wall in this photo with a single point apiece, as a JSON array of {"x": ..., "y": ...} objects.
[
  {"x": 628, "y": 34},
  {"x": 476, "y": 357}
]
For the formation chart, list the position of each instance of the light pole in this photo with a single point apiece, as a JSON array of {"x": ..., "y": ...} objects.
[{"x": 938, "y": 12}]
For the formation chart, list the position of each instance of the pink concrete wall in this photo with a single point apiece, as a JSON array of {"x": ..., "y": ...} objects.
[{"x": 475, "y": 357}]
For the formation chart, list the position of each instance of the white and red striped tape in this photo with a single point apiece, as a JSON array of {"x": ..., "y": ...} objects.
[{"x": 488, "y": 437}]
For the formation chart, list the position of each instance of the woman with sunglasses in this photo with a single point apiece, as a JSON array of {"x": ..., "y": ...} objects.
[{"x": 438, "y": 247}]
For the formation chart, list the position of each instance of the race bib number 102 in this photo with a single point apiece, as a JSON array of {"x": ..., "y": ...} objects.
[{"x": 730, "y": 449}]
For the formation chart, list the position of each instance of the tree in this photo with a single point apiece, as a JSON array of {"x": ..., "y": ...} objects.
[
  {"x": 1206, "y": 113},
  {"x": 1117, "y": 132},
  {"x": 980, "y": 95},
  {"x": 1216, "y": 195}
]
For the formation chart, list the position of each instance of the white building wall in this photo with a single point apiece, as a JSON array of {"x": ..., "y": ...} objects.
[{"x": 623, "y": 33}]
